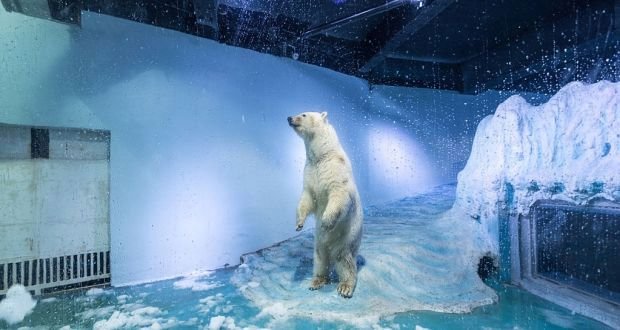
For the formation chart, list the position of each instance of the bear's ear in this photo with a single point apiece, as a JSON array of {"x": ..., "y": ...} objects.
[{"x": 324, "y": 115}]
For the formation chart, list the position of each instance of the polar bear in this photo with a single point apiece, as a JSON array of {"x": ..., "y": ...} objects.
[{"x": 329, "y": 192}]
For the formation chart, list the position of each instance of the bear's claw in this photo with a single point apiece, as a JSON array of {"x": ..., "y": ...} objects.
[
  {"x": 317, "y": 283},
  {"x": 299, "y": 227},
  {"x": 345, "y": 290}
]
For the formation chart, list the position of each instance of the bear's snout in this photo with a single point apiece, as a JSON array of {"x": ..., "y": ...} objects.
[{"x": 291, "y": 121}]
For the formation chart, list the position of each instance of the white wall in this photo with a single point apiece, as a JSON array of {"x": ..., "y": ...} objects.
[{"x": 203, "y": 165}]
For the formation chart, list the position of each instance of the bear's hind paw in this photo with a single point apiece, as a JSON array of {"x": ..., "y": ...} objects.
[
  {"x": 345, "y": 290},
  {"x": 317, "y": 283}
]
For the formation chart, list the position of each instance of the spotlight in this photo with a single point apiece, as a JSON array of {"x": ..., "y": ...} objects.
[{"x": 418, "y": 3}]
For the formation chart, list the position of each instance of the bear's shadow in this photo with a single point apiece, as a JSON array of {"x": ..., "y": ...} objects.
[{"x": 303, "y": 271}]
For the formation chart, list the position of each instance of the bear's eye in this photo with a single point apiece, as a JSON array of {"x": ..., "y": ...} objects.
[{"x": 303, "y": 115}]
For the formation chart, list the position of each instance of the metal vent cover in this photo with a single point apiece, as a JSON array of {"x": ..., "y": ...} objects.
[{"x": 57, "y": 273}]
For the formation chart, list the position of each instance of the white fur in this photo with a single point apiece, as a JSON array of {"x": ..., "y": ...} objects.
[{"x": 331, "y": 195}]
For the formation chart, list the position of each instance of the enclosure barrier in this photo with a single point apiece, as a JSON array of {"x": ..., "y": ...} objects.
[
  {"x": 56, "y": 273},
  {"x": 568, "y": 254}
]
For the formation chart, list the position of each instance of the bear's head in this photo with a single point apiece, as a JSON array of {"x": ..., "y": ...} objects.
[{"x": 307, "y": 124}]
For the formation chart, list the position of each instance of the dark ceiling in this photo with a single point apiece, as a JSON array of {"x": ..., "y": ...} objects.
[{"x": 468, "y": 45}]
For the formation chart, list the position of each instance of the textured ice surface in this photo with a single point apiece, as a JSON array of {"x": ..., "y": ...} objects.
[
  {"x": 413, "y": 259},
  {"x": 567, "y": 148},
  {"x": 199, "y": 281}
]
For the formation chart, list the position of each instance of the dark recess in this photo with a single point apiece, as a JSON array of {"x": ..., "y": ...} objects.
[
  {"x": 487, "y": 268},
  {"x": 40, "y": 143}
]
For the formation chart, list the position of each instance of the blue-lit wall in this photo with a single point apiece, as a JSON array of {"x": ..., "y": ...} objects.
[{"x": 203, "y": 165}]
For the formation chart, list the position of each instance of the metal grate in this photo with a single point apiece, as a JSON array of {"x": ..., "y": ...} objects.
[{"x": 46, "y": 274}]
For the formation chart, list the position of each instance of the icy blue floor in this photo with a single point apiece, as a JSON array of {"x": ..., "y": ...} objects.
[
  {"x": 246, "y": 297},
  {"x": 183, "y": 309}
]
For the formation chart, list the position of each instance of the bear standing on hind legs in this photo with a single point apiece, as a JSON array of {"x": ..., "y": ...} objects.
[{"x": 331, "y": 195}]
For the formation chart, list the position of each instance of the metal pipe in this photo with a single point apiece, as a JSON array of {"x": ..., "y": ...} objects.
[{"x": 355, "y": 17}]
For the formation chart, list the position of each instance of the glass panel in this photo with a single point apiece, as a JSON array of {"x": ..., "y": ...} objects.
[{"x": 579, "y": 247}]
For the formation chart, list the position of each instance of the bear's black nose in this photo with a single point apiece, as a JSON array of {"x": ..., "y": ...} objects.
[{"x": 290, "y": 120}]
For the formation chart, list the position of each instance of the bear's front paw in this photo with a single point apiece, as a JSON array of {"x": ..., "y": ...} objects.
[
  {"x": 346, "y": 290},
  {"x": 299, "y": 224},
  {"x": 328, "y": 225},
  {"x": 318, "y": 282}
]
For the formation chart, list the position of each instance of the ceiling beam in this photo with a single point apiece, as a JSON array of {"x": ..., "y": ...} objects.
[
  {"x": 326, "y": 27},
  {"x": 424, "y": 15},
  {"x": 401, "y": 56}
]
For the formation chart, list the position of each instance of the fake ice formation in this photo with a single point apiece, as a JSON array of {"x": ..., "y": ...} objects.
[{"x": 567, "y": 148}]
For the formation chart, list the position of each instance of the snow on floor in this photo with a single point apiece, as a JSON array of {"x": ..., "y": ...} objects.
[
  {"x": 197, "y": 282},
  {"x": 567, "y": 148},
  {"x": 17, "y": 304},
  {"x": 412, "y": 260}
]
